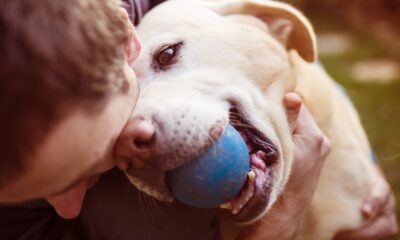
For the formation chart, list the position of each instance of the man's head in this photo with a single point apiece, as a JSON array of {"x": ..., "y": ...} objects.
[{"x": 66, "y": 91}]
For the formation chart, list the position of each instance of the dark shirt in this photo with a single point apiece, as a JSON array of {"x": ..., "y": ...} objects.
[
  {"x": 35, "y": 220},
  {"x": 137, "y": 8},
  {"x": 113, "y": 209}
]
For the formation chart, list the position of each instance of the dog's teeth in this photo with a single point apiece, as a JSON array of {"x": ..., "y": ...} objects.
[
  {"x": 239, "y": 202},
  {"x": 235, "y": 211},
  {"x": 226, "y": 205},
  {"x": 251, "y": 175},
  {"x": 247, "y": 197}
]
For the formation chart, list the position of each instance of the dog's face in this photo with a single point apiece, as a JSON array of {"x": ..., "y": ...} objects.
[{"x": 200, "y": 70}]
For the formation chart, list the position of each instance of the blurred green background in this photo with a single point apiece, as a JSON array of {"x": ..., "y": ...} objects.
[{"x": 359, "y": 45}]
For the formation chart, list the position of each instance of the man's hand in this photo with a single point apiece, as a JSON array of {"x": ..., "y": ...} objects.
[
  {"x": 380, "y": 211},
  {"x": 310, "y": 149}
]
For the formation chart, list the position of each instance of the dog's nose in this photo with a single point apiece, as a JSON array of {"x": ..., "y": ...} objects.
[{"x": 134, "y": 145}]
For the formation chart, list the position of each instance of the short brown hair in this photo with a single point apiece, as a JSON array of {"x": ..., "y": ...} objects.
[{"x": 53, "y": 52}]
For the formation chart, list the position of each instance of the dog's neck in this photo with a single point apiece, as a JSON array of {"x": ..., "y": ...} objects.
[{"x": 314, "y": 86}]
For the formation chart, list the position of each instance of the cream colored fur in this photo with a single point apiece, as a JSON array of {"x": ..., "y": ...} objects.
[{"x": 240, "y": 51}]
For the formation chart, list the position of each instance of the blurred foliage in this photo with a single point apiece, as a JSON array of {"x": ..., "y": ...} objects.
[
  {"x": 378, "y": 105},
  {"x": 379, "y": 18}
]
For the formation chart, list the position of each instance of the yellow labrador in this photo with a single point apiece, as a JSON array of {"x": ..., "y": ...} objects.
[{"x": 207, "y": 63}]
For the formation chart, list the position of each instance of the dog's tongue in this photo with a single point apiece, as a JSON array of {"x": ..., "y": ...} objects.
[
  {"x": 256, "y": 159},
  {"x": 68, "y": 204}
]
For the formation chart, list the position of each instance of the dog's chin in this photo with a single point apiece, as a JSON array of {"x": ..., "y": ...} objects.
[{"x": 253, "y": 200}]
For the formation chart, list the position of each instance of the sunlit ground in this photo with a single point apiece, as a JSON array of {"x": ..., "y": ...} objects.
[{"x": 369, "y": 70}]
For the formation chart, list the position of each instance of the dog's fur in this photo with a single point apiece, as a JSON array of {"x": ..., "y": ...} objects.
[{"x": 247, "y": 53}]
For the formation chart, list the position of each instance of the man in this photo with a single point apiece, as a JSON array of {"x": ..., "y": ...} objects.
[{"x": 66, "y": 93}]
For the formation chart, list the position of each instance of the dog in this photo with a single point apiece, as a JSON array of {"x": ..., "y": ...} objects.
[{"x": 205, "y": 64}]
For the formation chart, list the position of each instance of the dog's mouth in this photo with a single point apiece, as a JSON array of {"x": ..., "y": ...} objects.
[{"x": 253, "y": 199}]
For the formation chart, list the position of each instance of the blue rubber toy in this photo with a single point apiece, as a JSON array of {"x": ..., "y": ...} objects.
[{"x": 215, "y": 177}]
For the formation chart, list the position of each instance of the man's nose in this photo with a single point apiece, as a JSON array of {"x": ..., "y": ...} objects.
[
  {"x": 135, "y": 143},
  {"x": 68, "y": 204}
]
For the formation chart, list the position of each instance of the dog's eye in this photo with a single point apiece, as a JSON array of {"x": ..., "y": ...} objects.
[{"x": 166, "y": 56}]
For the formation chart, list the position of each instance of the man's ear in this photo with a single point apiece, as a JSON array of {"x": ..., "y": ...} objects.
[
  {"x": 285, "y": 23},
  {"x": 133, "y": 45}
]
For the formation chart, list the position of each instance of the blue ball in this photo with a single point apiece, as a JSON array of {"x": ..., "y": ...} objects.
[{"x": 216, "y": 176}]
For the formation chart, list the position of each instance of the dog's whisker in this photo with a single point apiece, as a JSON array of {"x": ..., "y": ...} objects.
[
  {"x": 157, "y": 206},
  {"x": 154, "y": 211},
  {"x": 147, "y": 206},
  {"x": 141, "y": 202},
  {"x": 144, "y": 201}
]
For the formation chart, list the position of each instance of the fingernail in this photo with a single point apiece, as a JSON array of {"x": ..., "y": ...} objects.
[{"x": 292, "y": 100}]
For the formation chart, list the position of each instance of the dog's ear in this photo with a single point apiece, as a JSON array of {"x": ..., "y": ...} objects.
[{"x": 285, "y": 23}]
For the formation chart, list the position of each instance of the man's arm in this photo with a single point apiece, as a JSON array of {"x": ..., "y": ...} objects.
[{"x": 380, "y": 209}]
